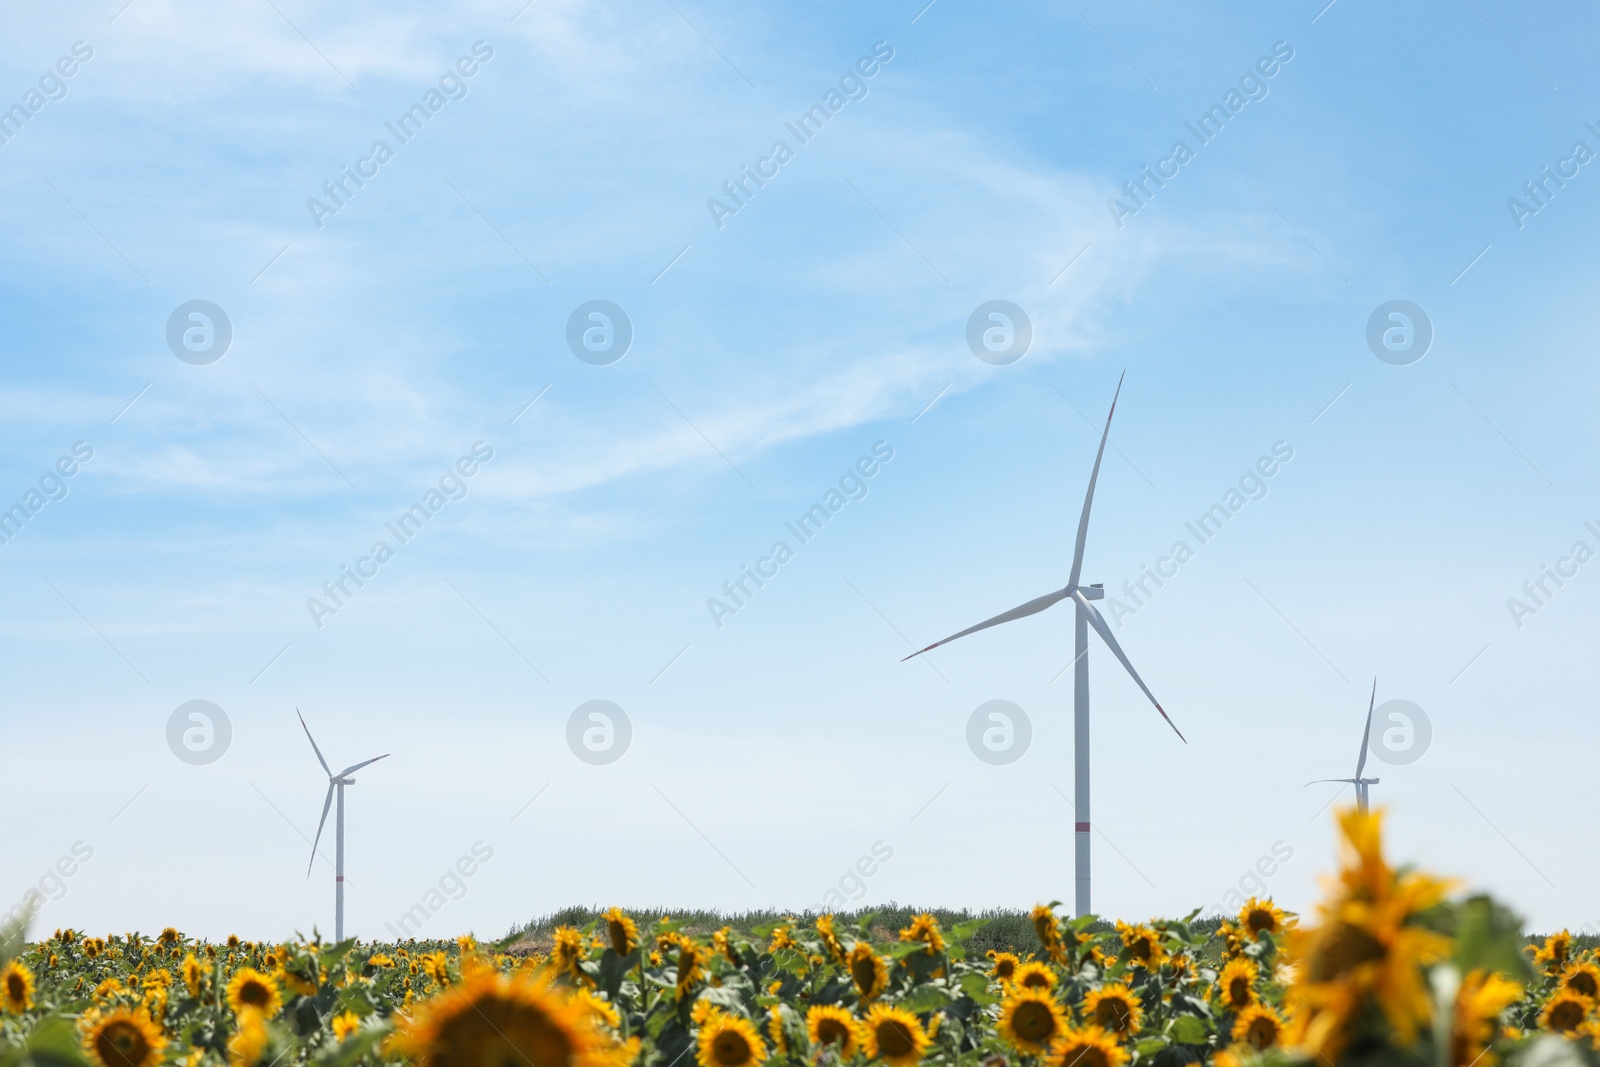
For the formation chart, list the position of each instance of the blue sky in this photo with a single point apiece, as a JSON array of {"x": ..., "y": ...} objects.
[{"x": 769, "y": 353}]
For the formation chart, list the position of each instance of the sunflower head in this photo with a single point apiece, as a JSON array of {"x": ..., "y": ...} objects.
[
  {"x": 868, "y": 971},
  {"x": 1258, "y": 1026},
  {"x": 122, "y": 1038},
  {"x": 1236, "y": 983},
  {"x": 1031, "y": 1020},
  {"x": 1143, "y": 945},
  {"x": 782, "y": 938},
  {"x": 720, "y": 941},
  {"x": 728, "y": 1041},
  {"x": 894, "y": 1036},
  {"x": 1260, "y": 916},
  {"x": 1089, "y": 1046},
  {"x": 621, "y": 931},
  {"x": 345, "y": 1023},
  {"x": 1554, "y": 953},
  {"x": 1582, "y": 978},
  {"x": 248, "y": 1044},
  {"x": 169, "y": 936},
  {"x": 1035, "y": 975},
  {"x": 925, "y": 928},
  {"x": 1565, "y": 1012},
  {"x": 251, "y": 990},
  {"x": 521, "y": 1018},
  {"x": 568, "y": 950},
  {"x": 1365, "y": 951},
  {"x": 1114, "y": 1008},
  {"x": 1045, "y": 928},
  {"x": 831, "y": 1025},
  {"x": 16, "y": 987},
  {"x": 1480, "y": 1000},
  {"x": 691, "y": 959},
  {"x": 1005, "y": 965},
  {"x": 830, "y": 938}
]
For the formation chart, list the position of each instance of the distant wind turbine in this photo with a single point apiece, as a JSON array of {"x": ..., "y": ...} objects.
[
  {"x": 1086, "y": 616},
  {"x": 335, "y": 782},
  {"x": 1361, "y": 761}
]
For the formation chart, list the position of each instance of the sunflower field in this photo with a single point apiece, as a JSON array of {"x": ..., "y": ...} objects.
[{"x": 1392, "y": 969}]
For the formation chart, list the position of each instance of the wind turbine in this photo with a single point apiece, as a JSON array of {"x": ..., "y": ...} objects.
[
  {"x": 1361, "y": 761},
  {"x": 1086, "y": 616},
  {"x": 335, "y": 782}
]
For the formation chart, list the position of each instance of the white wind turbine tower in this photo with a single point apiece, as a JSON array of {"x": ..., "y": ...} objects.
[
  {"x": 1359, "y": 782},
  {"x": 1086, "y": 616},
  {"x": 335, "y": 782}
]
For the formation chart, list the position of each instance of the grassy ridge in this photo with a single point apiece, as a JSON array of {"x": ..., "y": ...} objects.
[{"x": 1007, "y": 930}]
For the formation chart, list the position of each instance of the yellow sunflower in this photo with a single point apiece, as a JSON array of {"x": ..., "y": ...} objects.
[
  {"x": 621, "y": 931},
  {"x": 1031, "y": 1020},
  {"x": 122, "y": 1038},
  {"x": 1035, "y": 975},
  {"x": 1048, "y": 932},
  {"x": 295, "y": 982},
  {"x": 1260, "y": 916},
  {"x": 691, "y": 962},
  {"x": 1005, "y": 966},
  {"x": 1114, "y": 1008},
  {"x": 522, "y": 1018},
  {"x": 345, "y": 1023},
  {"x": 1089, "y": 1046},
  {"x": 781, "y": 939},
  {"x": 1565, "y": 1011},
  {"x": 1553, "y": 954},
  {"x": 868, "y": 970},
  {"x": 830, "y": 939},
  {"x": 591, "y": 1003},
  {"x": 191, "y": 974},
  {"x": 250, "y": 990},
  {"x": 1365, "y": 948},
  {"x": 894, "y": 1036},
  {"x": 109, "y": 988},
  {"x": 775, "y": 1030},
  {"x": 1258, "y": 1026},
  {"x": 1583, "y": 978},
  {"x": 567, "y": 951},
  {"x": 16, "y": 987},
  {"x": 924, "y": 928},
  {"x": 248, "y": 1043},
  {"x": 729, "y": 1041},
  {"x": 829, "y": 1024},
  {"x": 1236, "y": 984},
  {"x": 1480, "y": 999},
  {"x": 1143, "y": 945}
]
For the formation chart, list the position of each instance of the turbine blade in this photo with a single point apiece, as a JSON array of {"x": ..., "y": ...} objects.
[
  {"x": 1104, "y": 631},
  {"x": 1361, "y": 763},
  {"x": 357, "y": 766},
  {"x": 1088, "y": 498},
  {"x": 1322, "y": 781},
  {"x": 1032, "y": 607},
  {"x": 313, "y": 741},
  {"x": 327, "y": 801}
]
